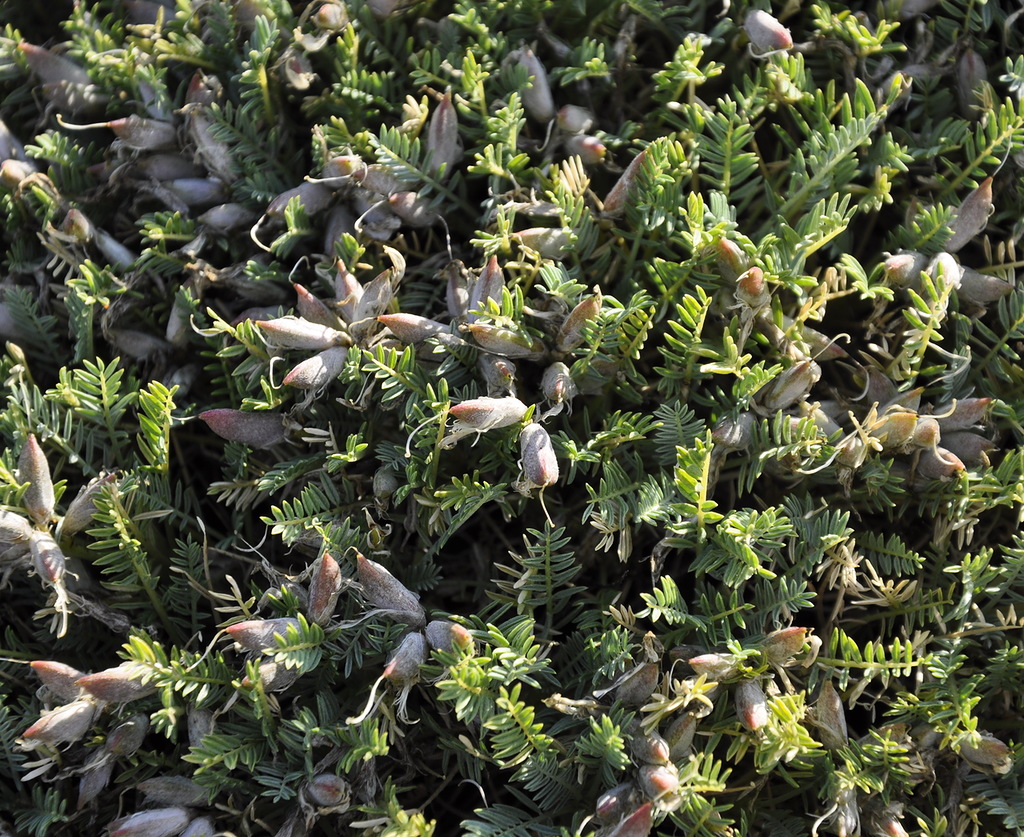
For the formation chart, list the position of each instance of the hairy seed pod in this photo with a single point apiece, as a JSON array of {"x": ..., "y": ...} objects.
[
  {"x": 327, "y": 790},
  {"x": 499, "y": 373},
  {"x": 637, "y": 686},
  {"x": 273, "y": 677},
  {"x": 34, "y": 469},
  {"x": 751, "y": 290},
  {"x": 546, "y": 242},
  {"x": 415, "y": 211},
  {"x": 506, "y": 342},
  {"x": 210, "y": 153},
  {"x": 612, "y": 803},
  {"x": 937, "y": 463},
  {"x": 173, "y": 790},
  {"x": 637, "y": 824},
  {"x": 126, "y": 737},
  {"x": 557, "y": 384},
  {"x": 312, "y": 308},
  {"x": 589, "y": 149},
  {"x": 58, "y": 678},
  {"x": 256, "y": 429},
  {"x": 120, "y": 684},
  {"x": 965, "y": 414},
  {"x": 895, "y": 430},
  {"x": 15, "y": 532},
  {"x": 970, "y": 448},
  {"x": 570, "y": 335},
  {"x": 142, "y": 134},
  {"x": 487, "y": 287},
  {"x": 679, "y": 736},
  {"x": 47, "y": 558},
  {"x": 830, "y": 717},
  {"x": 195, "y": 192},
  {"x": 443, "y": 144},
  {"x": 790, "y": 386},
  {"x": 412, "y": 328},
  {"x": 259, "y": 634},
  {"x": 714, "y": 666},
  {"x": 486, "y": 413},
  {"x": 982, "y": 289},
  {"x": 650, "y": 749},
  {"x": 732, "y": 262},
  {"x": 83, "y": 507},
  {"x": 445, "y": 635},
  {"x": 537, "y": 98},
  {"x": 403, "y": 668},
  {"x": 734, "y": 433},
  {"x": 318, "y": 371},
  {"x": 987, "y": 753},
  {"x": 324, "y": 589},
  {"x": 63, "y": 725},
  {"x": 297, "y": 333},
  {"x": 658, "y": 781},
  {"x": 575, "y": 120},
  {"x": 201, "y": 827},
  {"x": 386, "y": 592},
  {"x": 971, "y": 217},
  {"x": 971, "y": 73},
  {"x": 155, "y": 822},
  {"x": 540, "y": 466},
  {"x": 751, "y": 704},
  {"x": 53, "y": 69},
  {"x": 766, "y": 33},
  {"x": 621, "y": 193},
  {"x": 847, "y": 813},
  {"x": 904, "y": 269},
  {"x": 780, "y": 646},
  {"x": 95, "y": 777},
  {"x": 228, "y": 217}
]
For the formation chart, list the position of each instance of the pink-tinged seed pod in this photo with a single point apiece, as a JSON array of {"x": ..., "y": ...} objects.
[
  {"x": 324, "y": 589},
  {"x": 658, "y": 781},
  {"x": 445, "y": 635},
  {"x": 987, "y": 753},
  {"x": 318, "y": 371},
  {"x": 83, "y": 507},
  {"x": 612, "y": 803},
  {"x": 403, "y": 668},
  {"x": 330, "y": 17},
  {"x": 540, "y": 466},
  {"x": 173, "y": 791},
  {"x": 259, "y": 634},
  {"x": 589, "y": 149},
  {"x": 679, "y": 736},
  {"x": 63, "y": 725},
  {"x": 58, "y": 678},
  {"x": 887, "y": 824},
  {"x": 313, "y": 309},
  {"x": 34, "y": 469},
  {"x": 751, "y": 704},
  {"x": 621, "y": 192},
  {"x": 155, "y": 822},
  {"x": 734, "y": 433},
  {"x": 791, "y": 386},
  {"x": 386, "y": 592},
  {"x": 165, "y": 166},
  {"x": 326, "y": 790},
  {"x": 714, "y": 666},
  {"x": 142, "y": 134},
  {"x": 970, "y": 448},
  {"x": 258, "y": 430},
  {"x": 570, "y": 335},
  {"x": 537, "y": 98},
  {"x": 575, "y": 120},
  {"x": 487, "y": 287},
  {"x": 273, "y": 677},
  {"x": 347, "y": 291},
  {"x": 314, "y": 198},
  {"x": 938, "y": 464},
  {"x": 120, "y": 684},
  {"x": 766, "y": 33},
  {"x": 650, "y": 749},
  {"x": 830, "y": 717},
  {"x": 15, "y": 531},
  {"x": 731, "y": 260},
  {"x": 412, "y": 328},
  {"x": 499, "y": 373},
  {"x": 557, "y": 384},
  {"x": 296, "y": 333},
  {"x": 982, "y": 289},
  {"x": 201, "y": 827},
  {"x": 47, "y": 558},
  {"x": 456, "y": 292},
  {"x": 751, "y": 289},
  {"x": 378, "y": 180},
  {"x": 926, "y": 433},
  {"x": 895, "y": 430},
  {"x": 127, "y": 737},
  {"x": 904, "y": 269},
  {"x": 443, "y": 146},
  {"x": 195, "y": 192},
  {"x": 636, "y": 688},
  {"x": 506, "y": 342},
  {"x": 780, "y": 646},
  {"x": 965, "y": 414},
  {"x": 546, "y": 242},
  {"x": 971, "y": 217},
  {"x": 228, "y": 217},
  {"x": 637, "y": 824},
  {"x": 95, "y": 777},
  {"x": 53, "y": 69},
  {"x": 486, "y": 413}
]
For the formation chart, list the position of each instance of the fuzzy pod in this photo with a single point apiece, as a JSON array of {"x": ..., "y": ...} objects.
[
  {"x": 95, "y": 778},
  {"x": 971, "y": 217},
  {"x": 658, "y": 781},
  {"x": 259, "y": 634},
  {"x": 751, "y": 704},
  {"x": 142, "y": 134},
  {"x": 546, "y": 242},
  {"x": 982, "y": 289},
  {"x": 540, "y": 466},
  {"x": 506, "y": 342},
  {"x": 34, "y": 469},
  {"x": 47, "y": 558},
  {"x": 734, "y": 433},
  {"x": 385, "y": 484},
  {"x": 213, "y": 155},
  {"x": 637, "y": 824},
  {"x": 50, "y": 68},
  {"x": 165, "y": 166},
  {"x": 297, "y": 333},
  {"x": 537, "y": 98},
  {"x": 680, "y": 735},
  {"x": 412, "y": 328},
  {"x": 347, "y": 291},
  {"x": 791, "y": 386},
  {"x": 964, "y": 414},
  {"x": 200, "y": 722},
  {"x": 456, "y": 291},
  {"x": 83, "y": 507},
  {"x": 590, "y": 150},
  {"x": 620, "y": 194},
  {"x": 63, "y": 725},
  {"x": 487, "y": 286},
  {"x": 714, "y": 666},
  {"x": 448, "y": 636},
  {"x": 926, "y": 433},
  {"x": 938, "y": 464},
  {"x": 10, "y": 146},
  {"x": 173, "y": 791},
  {"x": 485, "y": 413},
  {"x": 970, "y": 74},
  {"x": 58, "y": 678},
  {"x": 327, "y": 790},
  {"x": 255, "y": 429},
  {"x": 766, "y": 33},
  {"x": 780, "y": 646},
  {"x": 201, "y": 827},
  {"x": 127, "y": 737},
  {"x": 415, "y": 211},
  {"x": 574, "y": 119},
  {"x": 14, "y": 172},
  {"x": 227, "y": 218},
  {"x": 274, "y": 677},
  {"x": 751, "y": 290},
  {"x": 386, "y": 592},
  {"x": 987, "y": 753},
  {"x": 730, "y": 259},
  {"x": 15, "y": 530},
  {"x": 570, "y": 335},
  {"x": 970, "y": 448},
  {"x": 830, "y": 717},
  {"x": 314, "y": 309},
  {"x": 613, "y": 802},
  {"x": 324, "y": 589},
  {"x": 499, "y": 374},
  {"x": 154, "y": 822},
  {"x": 637, "y": 686},
  {"x": 650, "y": 749},
  {"x": 557, "y": 384},
  {"x": 443, "y": 146},
  {"x": 195, "y": 192},
  {"x": 120, "y": 684},
  {"x": 315, "y": 373},
  {"x": 904, "y": 269},
  {"x": 403, "y": 668}
]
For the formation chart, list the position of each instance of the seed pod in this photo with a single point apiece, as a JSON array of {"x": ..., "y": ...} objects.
[
  {"x": 734, "y": 433},
  {"x": 540, "y": 467},
  {"x": 650, "y": 749},
  {"x": 483, "y": 413},
  {"x": 140, "y": 133},
  {"x": 622, "y": 191},
  {"x": 546, "y": 242},
  {"x": 506, "y": 342},
  {"x": 751, "y": 289},
  {"x": 970, "y": 448},
  {"x": 201, "y": 723},
  {"x": 324, "y": 589},
  {"x": 537, "y": 98},
  {"x": 155, "y": 822},
  {"x": 53, "y": 69},
  {"x": 965, "y": 414},
  {"x": 982, "y": 289},
  {"x": 589, "y": 149},
  {"x": 926, "y": 433},
  {"x": 457, "y": 289},
  {"x": 570, "y": 335},
  {"x": 499, "y": 374},
  {"x": 790, "y": 386},
  {"x": 412, "y": 328},
  {"x": 766, "y": 33},
  {"x": 126, "y": 737},
  {"x": 212, "y": 154},
  {"x": 557, "y": 384},
  {"x": 15, "y": 532},
  {"x": 904, "y": 269},
  {"x": 637, "y": 686},
  {"x": 83, "y": 507},
  {"x": 63, "y": 725},
  {"x": 318, "y": 371},
  {"x": 47, "y": 558},
  {"x": 259, "y": 634},
  {"x": 326, "y": 790},
  {"x": 613, "y": 802},
  {"x": 403, "y": 668},
  {"x": 443, "y": 146},
  {"x": 971, "y": 74},
  {"x": 714, "y": 666},
  {"x": 414, "y": 210},
  {"x": 574, "y": 120},
  {"x": 297, "y": 333},
  {"x": 780, "y": 646},
  {"x": 58, "y": 678},
  {"x": 95, "y": 777},
  {"x": 256, "y": 429},
  {"x": 273, "y": 677},
  {"x": 347, "y": 291},
  {"x": 120, "y": 684},
  {"x": 195, "y": 192},
  {"x": 384, "y": 591},
  {"x": 732, "y": 262},
  {"x": 680, "y": 736},
  {"x": 488, "y": 286},
  {"x": 201, "y": 827},
  {"x": 11, "y": 148},
  {"x": 987, "y": 753},
  {"x": 847, "y": 813},
  {"x": 886, "y": 823},
  {"x": 938, "y": 464},
  {"x": 830, "y": 717},
  {"x": 34, "y": 469},
  {"x": 445, "y": 635},
  {"x": 173, "y": 790},
  {"x": 971, "y": 217},
  {"x": 314, "y": 309},
  {"x": 751, "y": 704},
  {"x": 658, "y": 781},
  {"x": 637, "y": 824}
]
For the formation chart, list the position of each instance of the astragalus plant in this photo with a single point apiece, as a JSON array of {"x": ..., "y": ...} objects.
[{"x": 511, "y": 418}]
